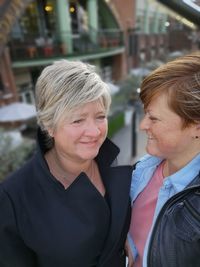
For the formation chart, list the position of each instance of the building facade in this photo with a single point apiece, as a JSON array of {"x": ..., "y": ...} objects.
[
  {"x": 95, "y": 31},
  {"x": 114, "y": 35},
  {"x": 161, "y": 29}
]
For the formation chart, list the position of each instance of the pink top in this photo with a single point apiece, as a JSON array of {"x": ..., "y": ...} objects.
[{"x": 143, "y": 212}]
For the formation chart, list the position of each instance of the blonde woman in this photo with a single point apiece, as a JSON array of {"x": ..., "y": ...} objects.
[{"x": 68, "y": 206}]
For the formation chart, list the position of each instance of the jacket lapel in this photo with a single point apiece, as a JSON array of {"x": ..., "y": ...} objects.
[{"x": 117, "y": 183}]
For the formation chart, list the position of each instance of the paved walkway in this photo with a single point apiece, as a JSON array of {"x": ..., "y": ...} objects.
[{"x": 123, "y": 138}]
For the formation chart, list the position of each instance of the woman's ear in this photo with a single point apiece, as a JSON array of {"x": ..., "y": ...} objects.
[
  {"x": 196, "y": 134},
  {"x": 50, "y": 132}
]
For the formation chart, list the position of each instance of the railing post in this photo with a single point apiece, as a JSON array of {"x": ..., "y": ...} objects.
[
  {"x": 64, "y": 22},
  {"x": 93, "y": 19}
]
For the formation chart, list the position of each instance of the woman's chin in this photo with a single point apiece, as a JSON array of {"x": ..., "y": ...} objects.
[{"x": 151, "y": 151}]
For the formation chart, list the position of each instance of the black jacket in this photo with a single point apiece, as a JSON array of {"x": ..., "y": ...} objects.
[
  {"x": 175, "y": 240},
  {"x": 44, "y": 225}
]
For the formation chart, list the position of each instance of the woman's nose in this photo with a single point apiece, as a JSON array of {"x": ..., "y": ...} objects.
[
  {"x": 144, "y": 125},
  {"x": 93, "y": 129}
]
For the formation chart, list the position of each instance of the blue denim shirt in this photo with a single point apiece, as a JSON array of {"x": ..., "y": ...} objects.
[{"x": 171, "y": 186}]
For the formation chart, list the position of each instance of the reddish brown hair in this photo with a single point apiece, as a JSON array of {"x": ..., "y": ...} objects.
[{"x": 180, "y": 81}]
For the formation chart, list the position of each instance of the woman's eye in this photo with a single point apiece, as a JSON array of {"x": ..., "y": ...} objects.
[
  {"x": 153, "y": 118},
  {"x": 77, "y": 121},
  {"x": 102, "y": 117}
]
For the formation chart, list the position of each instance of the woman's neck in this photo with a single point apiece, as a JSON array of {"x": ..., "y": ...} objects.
[
  {"x": 173, "y": 165},
  {"x": 64, "y": 169}
]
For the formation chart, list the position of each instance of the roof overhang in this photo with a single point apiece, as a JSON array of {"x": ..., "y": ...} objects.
[{"x": 185, "y": 8}]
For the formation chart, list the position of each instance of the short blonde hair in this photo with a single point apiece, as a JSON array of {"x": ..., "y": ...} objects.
[{"x": 64, "y": 86}]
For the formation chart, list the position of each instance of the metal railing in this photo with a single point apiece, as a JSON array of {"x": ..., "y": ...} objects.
[{"x": 33, "y": 46}]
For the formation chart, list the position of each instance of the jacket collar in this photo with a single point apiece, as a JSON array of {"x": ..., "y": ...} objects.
[
  {"x": 117, "y": 181},
  {"x": 195, "y": 181}
]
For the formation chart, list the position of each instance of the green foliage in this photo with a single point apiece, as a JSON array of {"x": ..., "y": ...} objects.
[
  {"x": 128, "y": 84},
  {"x": 13, "y": 158},
  {"x": 126, "y": 94},
  {"x": 115, "y": 123}
]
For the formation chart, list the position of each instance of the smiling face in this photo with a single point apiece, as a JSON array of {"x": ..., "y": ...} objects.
[
  {"x": 80, "y": 135},
  {"x": 166, "y": 136}
]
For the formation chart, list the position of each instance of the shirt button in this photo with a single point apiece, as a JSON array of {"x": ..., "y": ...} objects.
[{"x": 167, "y": 184}]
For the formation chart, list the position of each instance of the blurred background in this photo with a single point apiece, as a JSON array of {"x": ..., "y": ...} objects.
[{"x": 126, "y": 40}]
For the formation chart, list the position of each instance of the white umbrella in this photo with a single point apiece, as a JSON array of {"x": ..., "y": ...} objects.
[
  {"x": 175, "y": 54},
  {"x": 17, "y": 112},
  {"x": 113, "y": 88},
  {"x": 140, "y": 71},
  {"x": 154, "y": 64}
]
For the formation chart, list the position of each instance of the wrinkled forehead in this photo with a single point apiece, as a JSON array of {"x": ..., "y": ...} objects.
[{"x": 97, "y": 105}]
